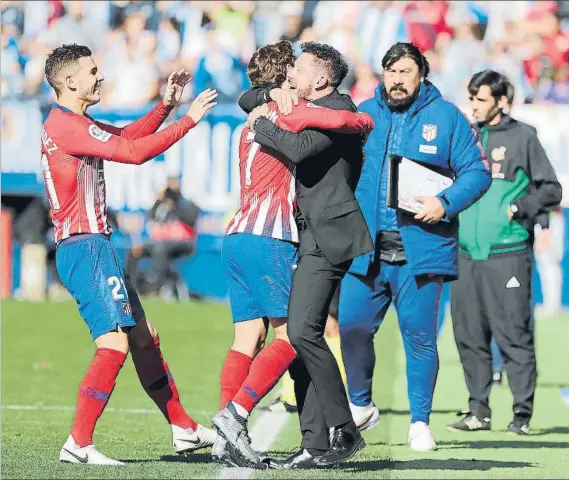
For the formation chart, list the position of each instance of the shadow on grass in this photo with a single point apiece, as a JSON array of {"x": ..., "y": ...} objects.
[
  {"x": 481, "y": 444},
  {"x": 551, "y": 431},
  {"x": 192, "y": 458},
  {"x": 432, "y": 464},
  {"x": 390, "y": 411}
]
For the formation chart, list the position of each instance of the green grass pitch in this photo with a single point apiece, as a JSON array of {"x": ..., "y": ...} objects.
[{"x": 46, "y": 348}]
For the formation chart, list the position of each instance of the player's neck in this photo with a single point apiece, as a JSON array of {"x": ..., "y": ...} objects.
[
  {"x": 76, "y": 105},
  {"x": 319, "y": 94}
]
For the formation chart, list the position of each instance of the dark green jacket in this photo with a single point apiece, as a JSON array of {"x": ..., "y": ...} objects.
[{"x": 522, "y": 176}]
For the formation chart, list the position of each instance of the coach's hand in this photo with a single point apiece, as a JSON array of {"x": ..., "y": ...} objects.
[
  {"x": 260, "y": 111},
  {"x": 285, "y": 99},
  {"x": 175, "y": 86},
  {"x": 202, "y": 104},
  {"x": 433, "y": 209}
]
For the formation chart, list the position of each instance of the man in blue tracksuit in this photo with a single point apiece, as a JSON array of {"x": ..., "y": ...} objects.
[{"x": 413, "y": 255}]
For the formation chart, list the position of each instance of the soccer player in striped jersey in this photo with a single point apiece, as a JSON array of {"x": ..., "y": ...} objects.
[
  {"x": 74, "y": 148},
  {"x": 260, "y": 255}
]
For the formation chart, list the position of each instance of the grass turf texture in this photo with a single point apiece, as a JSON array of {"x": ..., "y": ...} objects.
[{"x": 46, "y": 348}]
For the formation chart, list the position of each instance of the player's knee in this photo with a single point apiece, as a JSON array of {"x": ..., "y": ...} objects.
[
  {"x": 249, "y": 337},
  {"x": 114, "y": 341}
]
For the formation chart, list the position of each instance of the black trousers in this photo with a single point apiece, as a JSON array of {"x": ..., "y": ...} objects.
[
  {"x": 493, "y": 298},
  {"x": 320, "y": 393}
]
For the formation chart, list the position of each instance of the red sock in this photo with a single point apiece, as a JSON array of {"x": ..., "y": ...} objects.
[
  {"x": 154, "y": 375},
  {"x": 94, "y": 393},
  {"x": 266, "y": 370},
  {"x": 233, "y": 374}
]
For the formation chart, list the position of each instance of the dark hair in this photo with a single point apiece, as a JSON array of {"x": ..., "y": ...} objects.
[
  {"x": 269, "y": 64},
  {"x": 511, "y": 93},
  {"x": 406, "y": 50},
  {"x": 330, "y": 58},
  {"x": 61, "y": 58},
  {"x": 497, "y": 83}
]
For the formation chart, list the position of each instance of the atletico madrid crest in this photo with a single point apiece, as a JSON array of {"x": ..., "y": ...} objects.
[
  {"x": 126, "y": 308},
  {"x": 429, "y": 132}
]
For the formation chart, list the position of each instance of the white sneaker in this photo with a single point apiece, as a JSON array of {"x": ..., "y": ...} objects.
[
  {"x": 420, "y": 438},
  {"x": 365, "y": 417},
  {"x": 186, "y": 440},
  {"x": 89, "y": 455}
]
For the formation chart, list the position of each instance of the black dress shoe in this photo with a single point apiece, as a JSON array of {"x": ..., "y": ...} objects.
[
  {"x": 346, "y": 442},
  {"x": 300, "y": 459}
]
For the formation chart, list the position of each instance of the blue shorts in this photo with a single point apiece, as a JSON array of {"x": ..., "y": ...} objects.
[
  {"x": 90, "y": 268},
  {"x": 259, "y": 271}
]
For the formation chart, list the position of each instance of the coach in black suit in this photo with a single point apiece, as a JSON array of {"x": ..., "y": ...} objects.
[{"x": 332, "y": 233}]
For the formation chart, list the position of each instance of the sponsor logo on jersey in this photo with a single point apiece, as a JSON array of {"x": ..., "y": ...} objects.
[{"x": 99, "y": 134}]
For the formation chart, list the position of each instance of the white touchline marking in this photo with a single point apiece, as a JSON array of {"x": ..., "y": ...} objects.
[
  {"x": 565, "y": 395},
  {"x": 66, "y": 408},
  {"x": 263, "y": 434}
]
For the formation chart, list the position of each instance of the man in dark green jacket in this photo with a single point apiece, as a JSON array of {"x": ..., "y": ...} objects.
[{"x": 492, "y": 296}]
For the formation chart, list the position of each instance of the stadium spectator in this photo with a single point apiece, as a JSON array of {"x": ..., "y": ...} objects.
[
  {"x": 172, "y": 224},
  {"x": 221, "y": 68},
  {"x": 493, "y": 295}
]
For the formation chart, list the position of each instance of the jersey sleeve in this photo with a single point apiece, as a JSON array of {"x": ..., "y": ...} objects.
[
  {"x": 307, "y": 115},
  {"x": 145, "y": 125},
  {"x": 81, "y": 136}
]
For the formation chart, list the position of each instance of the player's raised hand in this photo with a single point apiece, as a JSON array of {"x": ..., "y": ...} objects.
[
  {"x": 285, "y": 99},
  {"x": 175, "y": 86},
  {"x": 202, "y": 104}
]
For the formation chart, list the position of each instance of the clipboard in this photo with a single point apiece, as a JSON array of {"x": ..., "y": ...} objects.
[{"x": 409, "y": 178}]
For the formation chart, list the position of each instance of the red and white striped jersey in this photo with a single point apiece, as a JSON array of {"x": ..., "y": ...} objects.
[
  {"x": 73, "y": 149},
  {"x": 267, "y": 184}
]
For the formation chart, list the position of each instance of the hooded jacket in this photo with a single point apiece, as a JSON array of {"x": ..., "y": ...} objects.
[{"x": 436, "y": 133}]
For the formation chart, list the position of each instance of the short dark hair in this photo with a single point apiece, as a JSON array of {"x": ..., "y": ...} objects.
[
  {"x": 269, "y": 64},
  {"x": 406, "y": 50},
  {"x": 511, "y": 93},
  {"x": 497, "y": 83},
  {"x": 331, "y": 59},
  {"x": 60, "y": 58}
]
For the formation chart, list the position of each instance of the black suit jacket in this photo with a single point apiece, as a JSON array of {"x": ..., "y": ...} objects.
[{"x": 328, "y": 167}]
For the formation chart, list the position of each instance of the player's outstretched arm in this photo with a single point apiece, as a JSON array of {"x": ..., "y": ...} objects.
[
  {"x": 151, "y": 122},
  {"x": 307, "y": 115},
  {"x": 89, "y": 140}
]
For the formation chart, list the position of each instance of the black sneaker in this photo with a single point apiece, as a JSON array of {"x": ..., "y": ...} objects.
[
  {"x": 470, "y": 423},
  {"x": 498, "y": 378},
  {"x": 518, "y": 427}
]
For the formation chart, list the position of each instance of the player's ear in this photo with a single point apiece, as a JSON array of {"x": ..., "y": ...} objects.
[
  {"x": 70, "y": 83},
  {"x": 321, "y": 82}
]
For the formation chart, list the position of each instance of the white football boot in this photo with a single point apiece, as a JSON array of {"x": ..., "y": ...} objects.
[
  {"x": 186, "y": 440},
  {"x": 365, "y": 417},
  {"x": 420, "y": 438},
  {"x": 89, "y": 455}
]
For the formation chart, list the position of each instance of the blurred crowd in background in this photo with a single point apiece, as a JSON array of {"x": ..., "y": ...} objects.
[{"x": 137, "y": 43}]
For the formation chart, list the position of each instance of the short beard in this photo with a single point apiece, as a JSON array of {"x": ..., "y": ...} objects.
[
  {"x": 303, "y": 93},
  {"x": 399, "y": 104}
]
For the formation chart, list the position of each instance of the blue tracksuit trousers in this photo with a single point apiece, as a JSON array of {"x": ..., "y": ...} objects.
[{"x": 364, "y": 300}]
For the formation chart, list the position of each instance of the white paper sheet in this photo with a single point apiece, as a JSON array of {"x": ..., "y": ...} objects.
[{"x": 416, "y": 180}]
